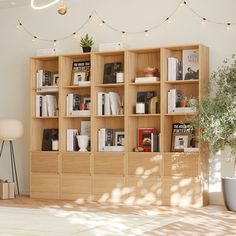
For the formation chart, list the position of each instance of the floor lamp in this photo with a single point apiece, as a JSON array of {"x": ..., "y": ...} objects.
[{"x": 11, "y": 130}]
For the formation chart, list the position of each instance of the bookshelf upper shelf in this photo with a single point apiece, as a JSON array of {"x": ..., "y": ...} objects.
[{"x": 195, "y": 81}]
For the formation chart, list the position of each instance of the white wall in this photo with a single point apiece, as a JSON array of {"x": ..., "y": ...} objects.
[{"x": 129, "y": 15}]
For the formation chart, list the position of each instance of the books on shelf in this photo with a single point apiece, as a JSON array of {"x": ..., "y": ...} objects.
[
  {"x": 145, "y": 97},
  {"x": 173, "y": 99},
  {"x": 174, "y": 69},
  {"x": 190, "y": 64},
  {"x": 76, "y": 105},
  {"x": 45, "y": 78},
  {"x": 85, "y": 127},
  {"x": 109, "y": 103},
  {"x": 110, "y": 140},
  {"x": 149, "y": 139},
  {"x": 182, "y": 137},
  {"x": 146, "y": 79},
  {"x": 49, "y": 136},
  {"x": 46, "y": 105},
  {"x": 110, "y": 70},
  {"x": 71, "y": 140}
]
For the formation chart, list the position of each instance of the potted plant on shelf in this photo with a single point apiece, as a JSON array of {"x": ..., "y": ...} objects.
[
  {"x": 217, "y": 121},
  {"x": 86, "y": 43}
]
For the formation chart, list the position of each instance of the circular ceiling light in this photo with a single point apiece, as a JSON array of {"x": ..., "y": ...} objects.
[{"x": 44, "y": 6}]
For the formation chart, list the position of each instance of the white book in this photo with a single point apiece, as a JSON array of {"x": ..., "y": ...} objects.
[
  {"x": 51, "y": 105},
  {"x": 190, "y": 64},
  {"x": 80, "y": 113},
  {"x": 71, "y": 133},
  {"x": 44, "y": 107},
  {"x": 101, "y": 103},
  {"x": 85, "y": 127},
  {"x": 172, "y": 68},
  {"x": 146, "y": 79},
  {"x": 107, "y": 107},
  {"x": 184, "y": 109},
  {"x": 38, "y": 105},
  {"x": 115, "y": 103},
  {"x": 69, "y": 104},
  {"x": 172, "y": 99},
  {"x": 101, "y": 139},
  {"x": 45, "y": 89},
  {"x": 169, "y": 107},
  {"x": 84, "y": 83},
  {"x": 114, "y": 149}
]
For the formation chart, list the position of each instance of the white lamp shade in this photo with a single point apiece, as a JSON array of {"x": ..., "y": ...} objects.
[{"x": 10, "y": 129}]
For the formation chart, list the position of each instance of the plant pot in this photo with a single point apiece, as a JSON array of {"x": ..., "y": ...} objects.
[
  {"x": 86, "y": 49},
  {"x": 229, "y": 192},
  {"x": 183, "y": 103}
]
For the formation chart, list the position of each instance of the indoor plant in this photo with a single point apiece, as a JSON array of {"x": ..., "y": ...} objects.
[
  {"x": 217, "y": 120},
  {"x": 86, "y": 43}
]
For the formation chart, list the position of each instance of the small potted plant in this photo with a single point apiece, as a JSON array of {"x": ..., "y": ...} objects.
[
  {"x": 217, "y": 122},
  {"x": 183, "y": 102},
  {"x": 86, "y": 43}
]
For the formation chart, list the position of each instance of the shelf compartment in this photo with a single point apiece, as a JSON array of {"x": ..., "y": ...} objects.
[
  {"x": 76, "y": 162},
  {"x": 144, "y": 164}
]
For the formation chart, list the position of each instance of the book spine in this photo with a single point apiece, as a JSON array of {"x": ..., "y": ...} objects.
[
  {"x": 44, "y": 106},
  {"x": 107, "y": 108},
  {"x": 109, "y": 137}
]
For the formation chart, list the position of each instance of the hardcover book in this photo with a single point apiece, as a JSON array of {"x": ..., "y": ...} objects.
[
  {"x": 110, "y": 70},
  {"x": 190, "y": 64},
  {"x": 82, "y": 66},
  {"x": 144, "y": 97},
  {"x": 145, "y": 138}
]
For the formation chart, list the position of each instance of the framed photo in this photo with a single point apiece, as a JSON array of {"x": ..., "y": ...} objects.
[
  {"x": 119, "y": 138},
  {"x": 180, "y": 141},
  {"x": 78, "y": 77},
  {"x": 55, "y": 79},
  {"x": 87, "y": 101}
]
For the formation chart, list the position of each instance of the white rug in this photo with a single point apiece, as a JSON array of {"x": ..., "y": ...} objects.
[{"x": 57, "y": 222}]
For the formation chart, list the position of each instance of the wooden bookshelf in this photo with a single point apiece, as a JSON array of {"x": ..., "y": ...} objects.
[{"x": 163, "y": 178}]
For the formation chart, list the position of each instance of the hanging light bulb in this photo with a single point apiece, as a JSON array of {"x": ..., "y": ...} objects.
[
  {"x": 75, "y": 35},
  {"x": 146, "y": 33},
  {"x": 228, "y": 26},
  {"x": 203, "y": 20},
  {"x": 62, "y": 9},
  {"x": 102, "y": 23},
  {"x": 34, "y": 38},
  {"x": 123, "y": 34},
  {"x": 168, "y": 20},
  {"x": 19, "y": 25},
  {"x": 54, "y": 43}
]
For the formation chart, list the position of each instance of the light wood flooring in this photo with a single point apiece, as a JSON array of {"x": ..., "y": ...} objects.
[{"x": 210, "y": 220}]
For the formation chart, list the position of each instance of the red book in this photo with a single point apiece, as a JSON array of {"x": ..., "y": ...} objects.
[{"x": 144, "y": 138}]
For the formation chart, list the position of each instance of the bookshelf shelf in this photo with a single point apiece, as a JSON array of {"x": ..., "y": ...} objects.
[{"x": 71, "y": 175}]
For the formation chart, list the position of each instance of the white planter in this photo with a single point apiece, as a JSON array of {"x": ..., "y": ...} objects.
[{"x": 229, "y": 192}]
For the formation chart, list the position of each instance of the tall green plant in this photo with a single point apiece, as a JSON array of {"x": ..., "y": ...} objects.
[{"x": 217, "y": 111}]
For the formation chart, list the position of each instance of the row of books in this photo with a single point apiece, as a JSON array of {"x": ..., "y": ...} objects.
[
  {"x": 187, "y": 69},
  {"x": 77, "y": 105},
  {"x": 45, "y": 78},
  {"x": 173, "y": 99},
  {"x": 149, "y": 139},
  {"x": 46, "y": 105},
  {"x": 110, "y": 140},
  {"x": 109, "y": 103}
]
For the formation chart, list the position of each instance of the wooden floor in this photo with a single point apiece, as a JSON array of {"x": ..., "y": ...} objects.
[{"x": 210, "y": 220}]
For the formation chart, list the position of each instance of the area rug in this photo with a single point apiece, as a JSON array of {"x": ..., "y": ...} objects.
[{"x": 58, "y": 222}]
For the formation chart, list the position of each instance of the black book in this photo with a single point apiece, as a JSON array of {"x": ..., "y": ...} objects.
[
  {"x": 76, "y": 102},
  {"x": 48, "y": 136},
  {"x": 109, "y": 137},
  {"x": 110, "y": 70},
  {"x": 144, "y": 97}
]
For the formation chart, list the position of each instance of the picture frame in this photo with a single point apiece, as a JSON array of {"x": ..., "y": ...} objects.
[
  {"x": 180, "y": 141},
  {"x": 119, "y": 138},
  {"x": 87, "y": 101},
  {"x": 78, "y": 76},
  {"x": 55, "y": 79}
]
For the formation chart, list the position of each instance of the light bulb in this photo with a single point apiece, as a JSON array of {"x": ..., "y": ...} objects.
[
  {"x": 146, "y": 33},
  {"x": 34, "y": 39},
  {"x": 19, "y": 25},
  {"x": 228, "y": 26},
  {"x": 203, "y": 20},
  {"x": 75, "y": 35},
  {"x": 123, "y": 34},
  {"x": 168, "y": 20},
  {"x": 55, "y": 43},
  {"x": 102, "y": 23}
]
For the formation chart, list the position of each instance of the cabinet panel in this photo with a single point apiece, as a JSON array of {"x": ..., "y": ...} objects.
[
  {"x": 147, "y": 164},
  {"x": 48, "y": 183},
  {"x": 182, "y": 191},
  {"x": 181, "y": 164},
  {"x": 44, "y": 162},
  {"x": 76, "y": 163},
  {"x": 109, "y": 163},
  {"x": 144, "y": 190},
  {"x": 75, "y": 184},
  {"x": 108, "y": 188}
]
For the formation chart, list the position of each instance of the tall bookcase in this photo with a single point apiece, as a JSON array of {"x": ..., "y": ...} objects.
[{"x": 163, "y": 178}]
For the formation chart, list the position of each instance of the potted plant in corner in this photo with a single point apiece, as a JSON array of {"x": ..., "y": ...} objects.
[
  {"x": 86, "y": 43},
  {"x": 217, "y": 121}
]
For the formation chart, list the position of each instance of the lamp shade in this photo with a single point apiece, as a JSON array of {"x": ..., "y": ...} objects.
[{"x": 11, "y": 129}]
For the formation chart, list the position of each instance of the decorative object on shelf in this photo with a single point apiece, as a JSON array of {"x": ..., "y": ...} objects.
[
  {"x": 154, "y": 105},
  {"x": 140, "y": 108},
  {"x": 110, "y": 71},
  {"x": 81, "y": 72},
  {"x": 183, "y": 101},
  {"x": 150, "y": 71},
  {"x": 7, "y": 189},
  {"x": 103, "y": 47},
  {"x": 138, "y": 149},
  {"x": 83, "y": 141},
  {"x": 144, "y": 32},
  {"x": 146, "y": 139},
  {"x": 218, "y": 121},
  {"x": 11, "y": 130},
  {"x": 119, "y": 138},
  {"x": 86, "y": 43},
  {"x": 119, "y": 77},
  {"x": 144, "y": 97},
  {"x": 49, "y": 135}
]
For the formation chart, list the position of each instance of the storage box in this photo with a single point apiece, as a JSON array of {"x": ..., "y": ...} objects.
[
  {"x": 7, "y": 190},
  {"x": 111, "y": 47}
]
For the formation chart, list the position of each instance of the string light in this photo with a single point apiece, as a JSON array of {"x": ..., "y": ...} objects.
[
  {"x": 54, "y": 43},
  {"x": 228, "y": 26},
  {"x": 203, "y": 20},
  {"x": 34, "y": 38},
  {"x": 44, "y": 6},
  {"x": 94, "y": 17}
]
